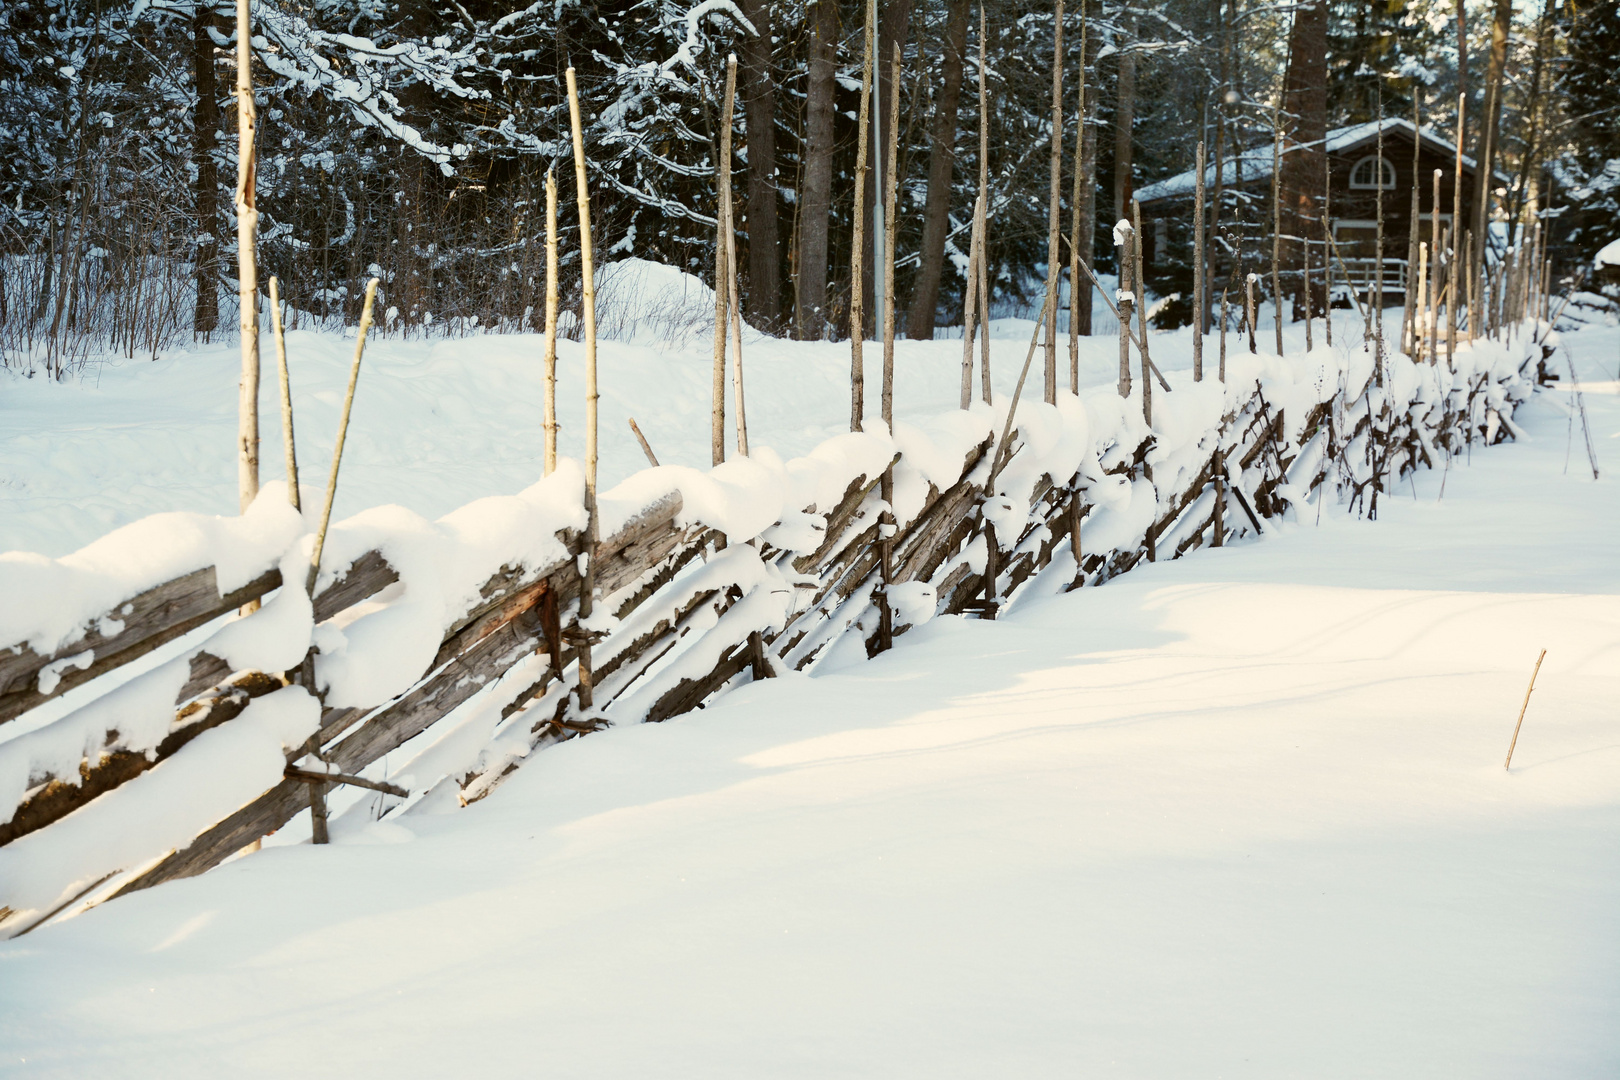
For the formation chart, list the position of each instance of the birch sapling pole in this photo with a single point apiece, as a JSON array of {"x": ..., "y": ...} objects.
[
  {"x": 970, "y": 296},
  {"x": 1276, "y": 221},
  {"x": 983, "y": 283},
  {"x": 550, "y": 416},
  {"x": 1137, "y": 274},
  {"x": 857, "y": 374},
  {"x": 1375, "y": 310},
  {"x": 1508, "y": 762},
  {"x": 1435, "y": 249},
  {"x": 1305, "y": 266},
  {"x": 1056, "y": 194},
  {"x": 1411, "y": 326},
  {"x": 1421, "y": 315},
  {"x": 886, "y": 522},
  {"x": 1198, "y": 267},
  {"x": 889, "y": 192},
  {"x": 1457, "y": 267},
  {"x": 1467, "y": 269},
  {"x": 1122, "y": 240},
  {"x": 1074, "y": 239},
  {"x": 1327, "y": 259},
  {"x": 247, "y": 268},
  {"x": 722, "y": 272},
  {"x": 1414, "y": 229},
  {"x": 286, "y": 395},
  {"x": 342, "y": 436},
  {"x": 1248, "y": 311},
  {"x": 1224, "y": 317},
  {"x": 588, "y": 282},
  {"x": 733, "y": 294},
  {"x": 734, "y": 302},
  {"x": 1147, "y": 363}
]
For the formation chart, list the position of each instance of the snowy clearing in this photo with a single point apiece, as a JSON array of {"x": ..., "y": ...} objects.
[{"x": 1237, "y": 815}]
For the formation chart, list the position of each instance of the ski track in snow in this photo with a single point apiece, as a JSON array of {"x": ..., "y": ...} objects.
[{"x": 1243, "y": 814}]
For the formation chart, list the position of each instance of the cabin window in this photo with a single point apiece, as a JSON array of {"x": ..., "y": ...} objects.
[
  {"x": 1365, "y": 172},
  {"x": 1161, "y": 240}
]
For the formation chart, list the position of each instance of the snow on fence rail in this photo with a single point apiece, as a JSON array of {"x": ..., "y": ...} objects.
[{"x": 468, "y": 625}]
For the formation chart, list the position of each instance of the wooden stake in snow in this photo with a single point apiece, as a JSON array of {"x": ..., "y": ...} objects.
[
  {"x": 1141, "y": 313},
  {"x": 1122, "y": 240},
  {"x": 1506, "y": 764},
  {"x": 645, "y": 447},
  {"x": 1276, "y": 221},
  {"x": 1327, "y": 261},
  {"x": 247, "y": 267},
  {"x": 983, "y": 283},
  {"x": 722, "y": 271},
  {"x": 550, "y": 422},
  {"x": 733, "y": 296},
  {"x": 1420, "y": 315},
  {"x": 1224, "y": 317},
  {"x": 886, "y": 521},
  {"x": 1198, "y": 268},
  {"x": 342, "y": 435},
  {"x": 1457, "y": 267},
  {"x": 857, "y": 374},
  {"x": 1074, "y": 241},
  {"x": 1432, "y": 301},
  {"x": 588, "y": 276},
  {"x": 889, "y": 193},
  {"x": 970, "y": 296},
  {"x": 286, "y": 395},
  {"x": 1056, "y": 194},
  {"x": 1248, "y": 313}
]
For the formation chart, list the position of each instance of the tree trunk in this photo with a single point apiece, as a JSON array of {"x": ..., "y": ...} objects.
[
  {"x": 1087, "y": 238},
  {"x": 1124, "y": 121},
  {"x": 815, "y": 203},
  {"x": 759, "y": 110},
  {"x": 205, "y": 130},
  {"x": 941, "y": 161},
  {"x": 892, "y": 27},
  {"x": 1489, "y": 130},
  {"x": 1305, "y": 129}
]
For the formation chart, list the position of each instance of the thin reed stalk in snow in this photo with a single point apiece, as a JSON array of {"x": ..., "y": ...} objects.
[
  {"x": 342, "y": 436},
  {"x": 1507, "y": 763},
  {"x": 286, "y": 395}
]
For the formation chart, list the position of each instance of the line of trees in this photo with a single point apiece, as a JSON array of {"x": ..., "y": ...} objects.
[{"x": 410, "y": 140}]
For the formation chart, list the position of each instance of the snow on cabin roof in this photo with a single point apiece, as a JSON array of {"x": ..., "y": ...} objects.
[
  {"x": 1609, "y": 256},
  {"x": 1256, "y": 161}
]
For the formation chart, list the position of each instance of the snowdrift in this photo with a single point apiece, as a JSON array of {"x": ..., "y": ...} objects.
[{"x": 461, "y": 636}]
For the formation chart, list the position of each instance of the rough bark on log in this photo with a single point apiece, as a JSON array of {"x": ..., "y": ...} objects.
[
  {"x": 54, "y": 797},
  {"x": 145, "y": 621}
]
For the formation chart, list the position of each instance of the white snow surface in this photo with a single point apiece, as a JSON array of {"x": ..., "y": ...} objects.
[
  {"x": 1609, "y": 255},
  {"x": 1239, "y": 814}
]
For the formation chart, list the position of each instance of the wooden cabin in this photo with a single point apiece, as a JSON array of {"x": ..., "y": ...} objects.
[{"x": 1355, "y": 179}]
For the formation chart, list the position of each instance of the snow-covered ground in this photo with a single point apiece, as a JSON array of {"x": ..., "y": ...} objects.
[
  {"x": 1242, "y": 815},
  {"x": 441, "y": 422}
]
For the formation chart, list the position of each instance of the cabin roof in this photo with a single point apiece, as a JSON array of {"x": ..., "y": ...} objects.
[{"x": 1256, "y": 161}]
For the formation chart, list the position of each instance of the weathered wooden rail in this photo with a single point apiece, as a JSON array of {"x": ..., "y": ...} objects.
[{"x": 691, "y": 610}]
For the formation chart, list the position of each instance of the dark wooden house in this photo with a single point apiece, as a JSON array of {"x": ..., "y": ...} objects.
[{"x": 1355, "y": 179}]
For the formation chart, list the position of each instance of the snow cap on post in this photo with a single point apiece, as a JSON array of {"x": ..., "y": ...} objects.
[{"x": 1122, "y": 232}]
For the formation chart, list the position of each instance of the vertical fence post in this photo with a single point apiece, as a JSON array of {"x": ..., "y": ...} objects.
[{"x": 588, "y": 275}]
